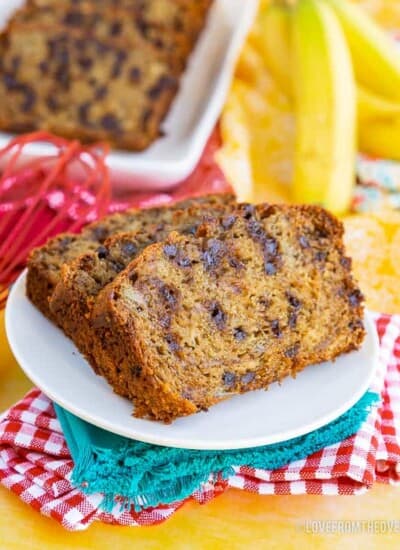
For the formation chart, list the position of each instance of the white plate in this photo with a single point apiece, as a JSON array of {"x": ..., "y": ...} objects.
[
  {"x": 195, "y": 110},
  {"x": 319, "y": 394}
]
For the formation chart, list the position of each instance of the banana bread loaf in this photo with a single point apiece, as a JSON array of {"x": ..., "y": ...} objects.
[
  {"x": 96, "y": 71},
  {"x": 45, "y": 263},
  {"x": 172, "y": 27},
  {"x": 250, "y": 299},
  {"x": 81, "y": 280}
]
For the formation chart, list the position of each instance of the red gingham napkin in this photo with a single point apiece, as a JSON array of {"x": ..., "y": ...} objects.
[{"x": 36, "y": 465}]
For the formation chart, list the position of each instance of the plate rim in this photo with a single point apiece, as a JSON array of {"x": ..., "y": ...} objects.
[{"x": 197, "y": 444}]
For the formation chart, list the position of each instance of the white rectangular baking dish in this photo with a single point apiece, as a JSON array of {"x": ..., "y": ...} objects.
[{"x": 195, "y": 109}]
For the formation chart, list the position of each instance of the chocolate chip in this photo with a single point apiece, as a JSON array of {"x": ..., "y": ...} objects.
[
  {"x": 117, "y": 266},
  {"x": 172, "y": 343},
  {"x": 115, "y": 28},
  {"x": 321, "y": 255},
  {"x": 213, "y": 254},
  {"x": 165, "y": 82},
  {"x": 133, "y": 277},
  {"x": 170, "y": 250},
  {"x": 355, "y": 298},
  {"x": 304, "y": 242},
  {"x": 52, "y": 103},
  {"x": 321, "y": 233},
  {"x": 43, "y": 67},
  {"x": 118, "y": 63},
  {"x": 158, "y": 43},
  {"x": 217, "y": 315},
  {"x": 228, "y": 221},
  {"x": 110, "y": 122},
  {"x": 15, "y": 62},
  {"x": 248, "y": 211},
  {"x": 270, "y": 246},
  {"x": 248, "y": 377},
  {"x": 101, "y": 92},
  {"x": 73, "y": 18},
  {"x": 100, "y": 233},
  {"x": 270, "y": 268},
  {"x": 292, "y": 351},
  {"x": 168, "y": 295},
  {"x": 235, "y": 263},
  {"x": 10, "y": 82},
  {"x": 135, "y": 74},
  {"x": 239, "y": 334},
  {"x": 85, "y": 62},
  {"x": 83, "y": 113},
  {"x": 293, "y": 301},
  {"x": 229, "y": 379},
  {"x": 165, "y": 321},
  {"x": 356, "y": 324},
  {"x": 183, "y": 261},
  {"x": 292, "y": 319},
  {"x": 190, "y": 230},
  {"x": 275, "y": 328},
  {"x": 129, "y": 248},
  {"x": 101, "y": 48},
  {"x": 345, "y": 262},
  {"x": 64, "y": 242},
  {"x": 29, "y": 99},
  {"x": 102, "y": 252},
  {"x": 256, "y": 229}
]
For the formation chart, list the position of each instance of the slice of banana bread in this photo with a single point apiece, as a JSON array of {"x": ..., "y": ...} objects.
[
  {"x": 81, "y": 280},
  {"x": 45, "y": 263},
  {"x": 79, "y": 86},
  {"x": 249, "y": 300}
]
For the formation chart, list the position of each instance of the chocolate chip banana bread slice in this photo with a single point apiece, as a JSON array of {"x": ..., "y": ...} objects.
[
  {"x": 245, "y": 302},
  {"x": 44, "y": 264},
  {"x": 82, "y": 280},
  {"x": 79, "y": 86}
]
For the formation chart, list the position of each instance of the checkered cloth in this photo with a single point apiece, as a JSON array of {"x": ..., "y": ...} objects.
[{"x": 36, "y": 465}]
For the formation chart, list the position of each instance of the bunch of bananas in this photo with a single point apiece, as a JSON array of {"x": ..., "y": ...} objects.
[{"x": 342, "y": 73}]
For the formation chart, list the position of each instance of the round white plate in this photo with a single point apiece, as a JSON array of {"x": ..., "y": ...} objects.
[{"x": 317, "y": 396}]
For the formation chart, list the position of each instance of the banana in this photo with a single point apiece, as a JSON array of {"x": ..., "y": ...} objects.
[
  {"x": 376, "y": 60},
  {"x": 325, "y": 108},
  {"x": 371, "y": 106},
  {"x": 273, "y": 38},
  {"x": 381, "y": 138}
]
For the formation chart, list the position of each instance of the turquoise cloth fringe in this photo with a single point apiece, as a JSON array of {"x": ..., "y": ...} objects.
[{"x": 144, "y": 475}]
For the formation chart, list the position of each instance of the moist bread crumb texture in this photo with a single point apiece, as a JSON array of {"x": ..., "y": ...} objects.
[
  {"x": 45, "y": 263},
  {"x": 82, "y": 279},
  {"x": 254, "y": 296}
]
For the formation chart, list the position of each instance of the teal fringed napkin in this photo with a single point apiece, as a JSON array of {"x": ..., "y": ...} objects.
[{"x": 145, "y": 475}]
